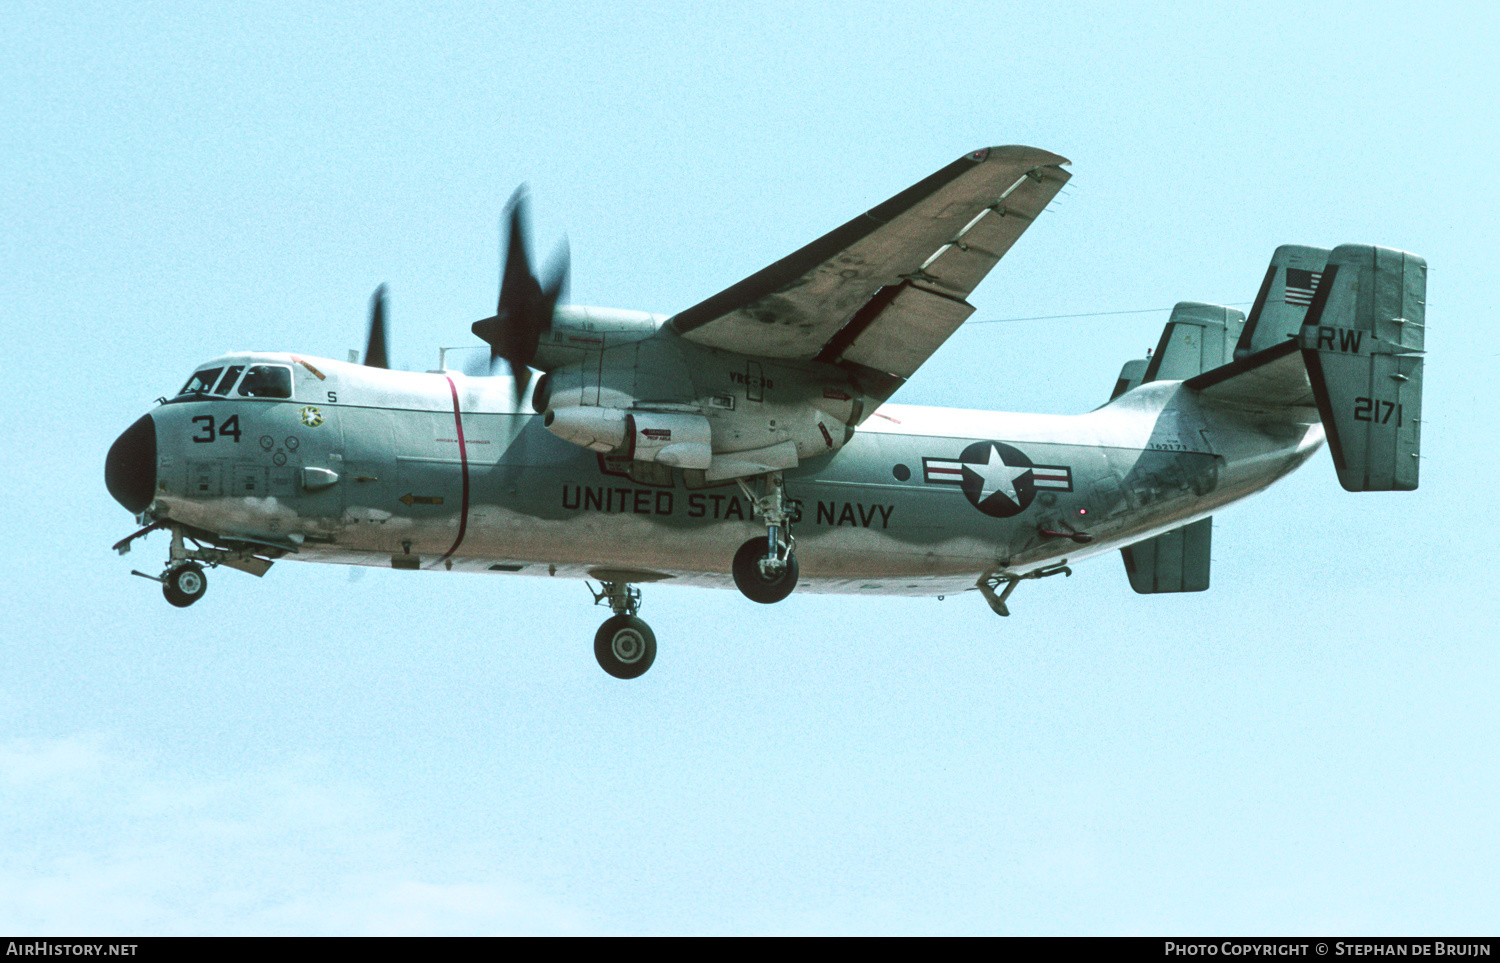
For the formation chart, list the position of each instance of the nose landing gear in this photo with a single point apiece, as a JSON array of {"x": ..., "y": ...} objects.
[
  {"x": 183, "y": 581},
  {"x": 624, "y": 645}
]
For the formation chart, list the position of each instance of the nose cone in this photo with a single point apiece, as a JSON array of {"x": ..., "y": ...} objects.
[{"x": 130, "y": 466}]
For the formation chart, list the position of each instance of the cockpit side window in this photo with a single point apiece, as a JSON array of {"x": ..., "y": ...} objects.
[
  {"x": 267, "y": 381},
  {"x": 201, "y": 382},
  {"x": 230, "y": 375}
]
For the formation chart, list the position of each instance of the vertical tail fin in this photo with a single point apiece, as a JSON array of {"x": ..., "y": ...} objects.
[
  {"x": 1198, "y": 338},
  {"x": 1284, "y": 297},
  {"x": 1177, "y": 561},
  {"x": 1362, "y": 342},
  {"x": 1130, "y": 376}
]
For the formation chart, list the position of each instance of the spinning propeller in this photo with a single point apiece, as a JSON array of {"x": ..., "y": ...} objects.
[
  {"x": 526, "y": 303},
  {"x": 522, "y": 315},
  {"x": 375, "y": 347}
]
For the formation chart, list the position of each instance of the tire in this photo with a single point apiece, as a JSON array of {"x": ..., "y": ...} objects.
[
  {"x": 753, "y": 583},
  {"x": 625, "y": 646},
  {"x": 185, "y": 585}
]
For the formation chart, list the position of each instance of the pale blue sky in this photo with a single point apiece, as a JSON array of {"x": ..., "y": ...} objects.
[{"x": 1309, "y": 747}]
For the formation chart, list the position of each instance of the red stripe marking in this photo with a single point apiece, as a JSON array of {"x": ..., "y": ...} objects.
[{"x": 463, "y": 459}]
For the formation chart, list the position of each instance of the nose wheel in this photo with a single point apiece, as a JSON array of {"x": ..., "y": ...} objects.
[
  {"x": 624, "y": 645},
  {"x": 182, "y": 580},
  {"x": 184, "y": 584}
]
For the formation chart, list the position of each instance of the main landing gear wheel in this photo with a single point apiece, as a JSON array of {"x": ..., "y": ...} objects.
[
  {"x": 758, "y": 578},
  {"x": 184, "y": 585},
  {"x": 625, "y": 646},
  {"x": 765, "y": 569}
]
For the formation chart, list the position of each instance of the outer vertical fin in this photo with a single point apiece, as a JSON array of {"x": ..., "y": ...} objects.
[
  {"x": 1362, "y": 343},
  {"x": 1130, "y": 376}
]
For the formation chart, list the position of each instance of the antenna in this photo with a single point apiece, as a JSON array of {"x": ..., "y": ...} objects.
[{"x": 443, "y": 354}]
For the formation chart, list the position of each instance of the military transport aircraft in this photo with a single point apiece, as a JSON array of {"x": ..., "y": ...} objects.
[{"x": 748, "y": 438}]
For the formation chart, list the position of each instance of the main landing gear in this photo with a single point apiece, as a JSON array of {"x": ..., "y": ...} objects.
[
  {"x": 624, "y": 645},
  {"x": 765, "y": 569}
]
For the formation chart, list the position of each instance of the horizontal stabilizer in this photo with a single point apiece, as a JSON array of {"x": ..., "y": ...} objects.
[
  {"x": 1176, "y": 561},
  {"x": 1362, "y": 346},
  {"x": 1274, "y": 379}
]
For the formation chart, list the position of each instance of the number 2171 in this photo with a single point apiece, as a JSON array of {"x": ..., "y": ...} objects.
[{"x": 1377, "y": 410}]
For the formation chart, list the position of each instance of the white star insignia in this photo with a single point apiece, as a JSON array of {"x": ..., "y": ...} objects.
[{"x": 997, "y": 476}]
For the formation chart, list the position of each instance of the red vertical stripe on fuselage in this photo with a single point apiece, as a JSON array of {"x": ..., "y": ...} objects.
[{"x": 463, "y": 459}]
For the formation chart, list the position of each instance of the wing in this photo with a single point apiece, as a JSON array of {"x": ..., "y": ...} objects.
[{"x": 886, "y": 289}]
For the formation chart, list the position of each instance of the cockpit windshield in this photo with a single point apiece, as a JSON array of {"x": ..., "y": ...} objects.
[
  {"x": 261, "y": 381},
  {"x": 267, "y": 381},
  {"x": 231, "y": 375},
  {"x": 201, "y": 382}
]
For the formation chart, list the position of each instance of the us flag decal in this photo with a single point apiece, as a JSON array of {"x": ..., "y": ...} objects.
[{"x": 1300, "y": 286}]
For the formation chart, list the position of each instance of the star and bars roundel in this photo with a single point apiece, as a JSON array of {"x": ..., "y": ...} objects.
[{"x": 997, "y": 479}]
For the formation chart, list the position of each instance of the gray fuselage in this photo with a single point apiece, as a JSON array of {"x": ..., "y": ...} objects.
[{"x": 366, "y": 466}]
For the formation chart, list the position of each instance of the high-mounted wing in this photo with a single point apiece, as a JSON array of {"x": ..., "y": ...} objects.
[{"x": 886, "y": 289}]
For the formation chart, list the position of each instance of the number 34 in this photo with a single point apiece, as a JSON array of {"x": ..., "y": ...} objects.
[{"x": 228, "y": 428}]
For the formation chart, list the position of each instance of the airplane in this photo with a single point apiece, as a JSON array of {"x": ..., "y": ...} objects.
[{"x": 750, "y": 440}]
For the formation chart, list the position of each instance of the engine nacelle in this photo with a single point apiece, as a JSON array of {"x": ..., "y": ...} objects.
[
  {"x": 598, "y": 429},
  {"x": 639, "y": 401},
  {"x": 677, "y": 439},
  {"x": 577, "y": 331}
]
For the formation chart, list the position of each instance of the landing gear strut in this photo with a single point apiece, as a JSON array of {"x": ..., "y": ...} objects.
[
  {"x": 765, "y": 569},
  {"x": 624, "y": 645},
  {"x": 183, "y": 581}
]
